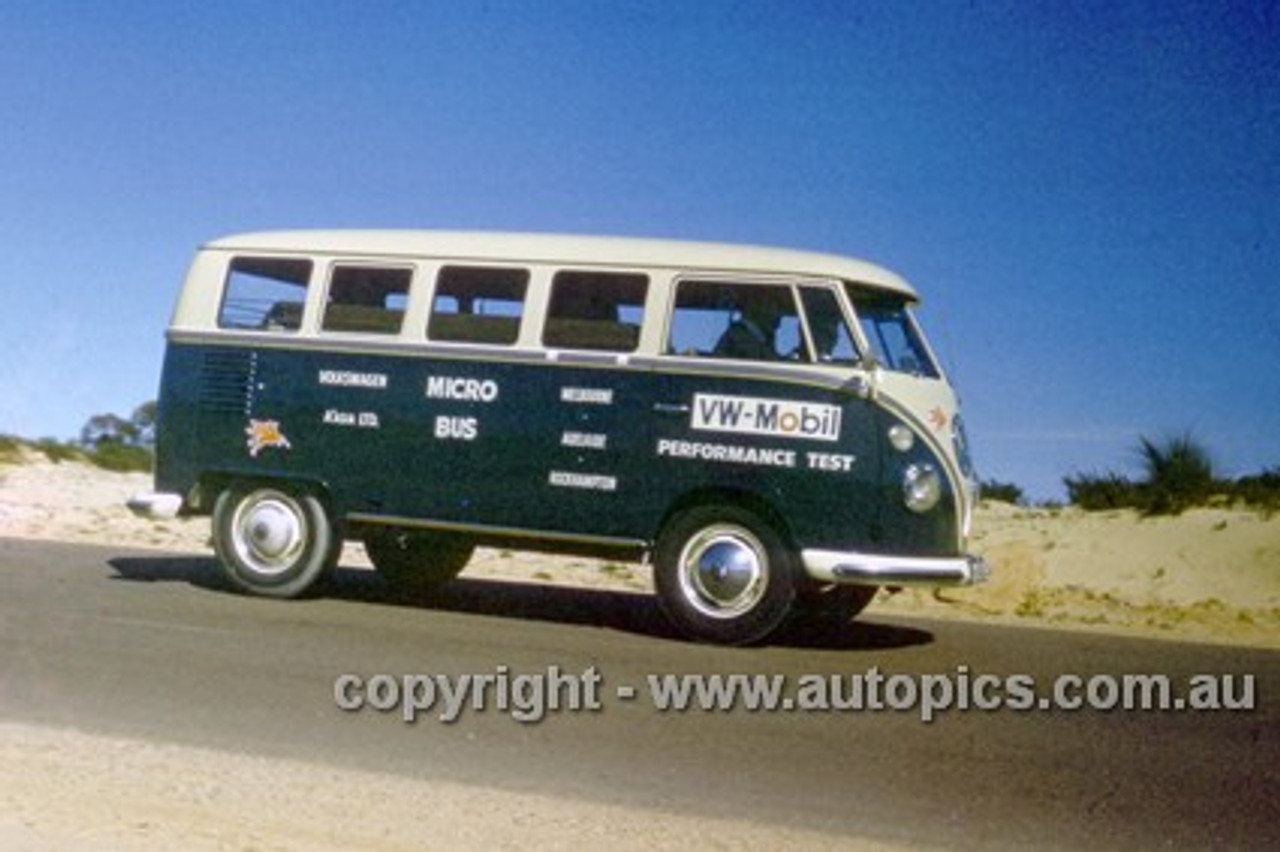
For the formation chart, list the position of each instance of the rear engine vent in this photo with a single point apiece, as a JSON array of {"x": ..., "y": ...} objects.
[{"x": 227, "y": 381}]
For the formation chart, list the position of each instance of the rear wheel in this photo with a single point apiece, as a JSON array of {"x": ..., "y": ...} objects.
[
  {"x": 274, "y": 540},
  {"x": 723, "y": 575},
  {"x": 417, "y": 561}
]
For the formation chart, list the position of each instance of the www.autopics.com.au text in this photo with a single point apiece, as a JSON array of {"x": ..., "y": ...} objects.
[{"x": 529, "y": 697}]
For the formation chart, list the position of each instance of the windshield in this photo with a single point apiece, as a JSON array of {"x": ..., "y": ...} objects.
[{"x": 891, "y": 334}]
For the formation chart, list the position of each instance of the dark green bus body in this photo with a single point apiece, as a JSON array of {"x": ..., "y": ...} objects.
[{"x": 382, "y": 454}]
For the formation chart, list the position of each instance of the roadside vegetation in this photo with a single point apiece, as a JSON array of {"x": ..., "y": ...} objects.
[
  {"x": 1177, "y": 474},
  {"x": 107, "y": 440},
  {"x": 1002, "y": 492}
]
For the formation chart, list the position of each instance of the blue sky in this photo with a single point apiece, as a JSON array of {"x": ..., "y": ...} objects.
[{"x": 1087, "y": 194}]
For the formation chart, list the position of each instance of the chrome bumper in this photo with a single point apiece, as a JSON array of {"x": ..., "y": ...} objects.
[
  {"x": 157, "y": 505},
  {"x": 834, "y": 566}
]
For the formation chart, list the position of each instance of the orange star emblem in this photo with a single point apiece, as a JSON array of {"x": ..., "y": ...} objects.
[{"x": 263, "y": 434}]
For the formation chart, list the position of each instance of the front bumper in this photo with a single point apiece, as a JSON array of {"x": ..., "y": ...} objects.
[
  {"x": 835, "y": 566},
  {"x": 157, "y": 505}
]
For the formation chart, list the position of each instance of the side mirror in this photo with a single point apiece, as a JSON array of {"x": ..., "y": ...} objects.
[{"x": 866, "y": 383}]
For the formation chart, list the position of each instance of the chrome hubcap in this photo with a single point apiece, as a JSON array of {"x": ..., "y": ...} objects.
[
  {"x": 270, "y": 532},
  {"x": 724, "y": 571}
]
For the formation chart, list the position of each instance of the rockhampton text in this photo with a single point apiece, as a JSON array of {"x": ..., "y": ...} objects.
[{"x": 530, "y": 697}]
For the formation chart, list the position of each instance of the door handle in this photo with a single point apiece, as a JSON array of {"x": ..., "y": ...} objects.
[{"x": 670, "y": 408}]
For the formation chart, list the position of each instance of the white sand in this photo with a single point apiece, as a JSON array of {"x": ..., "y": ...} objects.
[{"x": 1208, "y": 575}]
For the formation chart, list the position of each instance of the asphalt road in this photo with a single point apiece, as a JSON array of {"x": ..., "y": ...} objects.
[{"x": 147, "y": 645}]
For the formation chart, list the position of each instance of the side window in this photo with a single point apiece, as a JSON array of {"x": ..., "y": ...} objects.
[
  {"x": 595, "y": 310},
  {"x": 478, "y": 304},
  {"x": 828, "y": 329},
  {"x": 722, "y": 319},
  {"x": 366, "y": 299},
  {"x": 264, "y": 294}
]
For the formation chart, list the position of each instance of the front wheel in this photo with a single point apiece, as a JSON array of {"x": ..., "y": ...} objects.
[
  {"x": 274, "y": 540},
  {"x": 722, "y": 575}
]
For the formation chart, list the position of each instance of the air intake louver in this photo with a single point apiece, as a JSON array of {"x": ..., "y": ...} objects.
[{"x": 227, "y": 381}]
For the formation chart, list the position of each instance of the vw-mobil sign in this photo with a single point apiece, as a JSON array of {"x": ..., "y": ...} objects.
[{"x": 750, "y": 415}]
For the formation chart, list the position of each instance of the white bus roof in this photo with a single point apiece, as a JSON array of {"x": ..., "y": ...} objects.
[{"x": 569, "y": 249}]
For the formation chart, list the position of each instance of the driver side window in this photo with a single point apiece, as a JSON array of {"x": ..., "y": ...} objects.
[{"x": 738, "y": 321}]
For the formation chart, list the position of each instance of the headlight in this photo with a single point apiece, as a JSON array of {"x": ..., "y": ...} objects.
[
  {"x": 921, "y": 487},
  {"x": 901, "y": 438}
]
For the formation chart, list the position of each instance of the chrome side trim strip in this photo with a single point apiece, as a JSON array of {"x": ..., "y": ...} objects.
[{"x": 495, "y": 531}]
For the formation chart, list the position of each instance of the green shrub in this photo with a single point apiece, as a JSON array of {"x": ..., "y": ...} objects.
[
  {"x": 1002, "y": 492},
  {"x": 58, "y": 451},
  {"x": 1098, "y": 492},
  {"x": 1259, "y": 490},
  {"x": 1179, "y": 475},
  {"x": 10, "y": 449},
  {"x": 121, "y": 458}
]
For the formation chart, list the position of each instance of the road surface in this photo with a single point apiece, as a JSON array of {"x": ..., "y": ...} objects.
[{"x": 147, "y": 645}]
